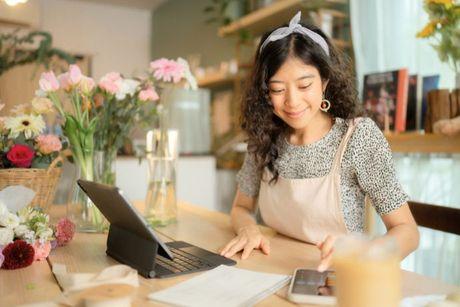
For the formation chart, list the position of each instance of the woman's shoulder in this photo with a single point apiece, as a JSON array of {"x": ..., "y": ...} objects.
[
  {"x": 365, "y": 129},
  {"x": 366, "y": 137}
]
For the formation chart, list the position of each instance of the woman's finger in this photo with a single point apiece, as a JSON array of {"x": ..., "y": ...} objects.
[
  {"x": 248, "y": 249},
  {"x": 265, "y": 246},
  {"x": 327, "y": 246},
  {"x": 229, "y": 244},
  {"x": 236, "y": 247},
  {"x": 325, "y": 263}
]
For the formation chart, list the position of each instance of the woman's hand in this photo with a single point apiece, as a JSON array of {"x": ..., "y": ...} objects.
[
  {"x": 327, "y": 249},
  {"x": 247, "y": 239}
]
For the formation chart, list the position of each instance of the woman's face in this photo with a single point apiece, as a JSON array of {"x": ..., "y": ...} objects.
[{"x": 296, "y": 92}]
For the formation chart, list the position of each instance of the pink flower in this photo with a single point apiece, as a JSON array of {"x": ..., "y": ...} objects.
[
  {"x": 48, "y": 82},
  {"x": 86, "y": 85},
  {"x": 149, "y": 94},
  {"x": 65, "y": 230},
  {"x": 167, "y": 70},
  {"x": 111, "y": 82},
  {"x": 64, "y": 81},
  {"x": 42, "y": 250},
  {"x": 48, "y": 143},
  {"x": 74, "y": 74}
]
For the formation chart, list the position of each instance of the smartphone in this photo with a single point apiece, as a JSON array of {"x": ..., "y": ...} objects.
[{"x": 313, "y": 287}]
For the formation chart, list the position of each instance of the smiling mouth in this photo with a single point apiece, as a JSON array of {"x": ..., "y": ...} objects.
[{"x": 295, "y": 114}]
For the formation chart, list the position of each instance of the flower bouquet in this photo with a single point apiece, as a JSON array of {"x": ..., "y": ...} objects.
[
  {"x": 26, "y": 234},
  {"x": 444, "y": 26},
  {"x": 120, "y": 103},
  {"x": 27, "y": 156}
]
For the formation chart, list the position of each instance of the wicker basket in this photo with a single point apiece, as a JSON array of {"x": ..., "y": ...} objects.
[{"x": 42, "y": 181}]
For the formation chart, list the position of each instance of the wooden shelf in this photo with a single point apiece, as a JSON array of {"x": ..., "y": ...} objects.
[
  {"x": 269, "y": 17},
  {"x": 415, "y": 142},
  {"x": 218, "y": 80}
]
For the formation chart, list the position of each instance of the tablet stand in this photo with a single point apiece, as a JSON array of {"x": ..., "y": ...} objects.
[{"x": 133, "y": 250}]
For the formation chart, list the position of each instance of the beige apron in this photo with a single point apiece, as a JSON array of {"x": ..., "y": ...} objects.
[{"x": 306, "y": 209}]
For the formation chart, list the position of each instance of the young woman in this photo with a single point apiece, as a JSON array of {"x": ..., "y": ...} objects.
[{"x": 311, "y": 160}]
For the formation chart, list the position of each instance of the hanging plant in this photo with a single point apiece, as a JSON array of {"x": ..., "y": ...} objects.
[{"x": 19, "y": 50}]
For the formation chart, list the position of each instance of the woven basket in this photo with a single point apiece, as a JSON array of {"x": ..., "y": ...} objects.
[{"x": 42, "y": 181}]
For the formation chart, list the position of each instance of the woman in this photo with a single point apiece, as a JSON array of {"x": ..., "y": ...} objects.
[{"x": 311, "y": 160}]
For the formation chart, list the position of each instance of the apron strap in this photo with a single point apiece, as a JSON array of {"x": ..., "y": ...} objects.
[{"x": 352, "y": 123}]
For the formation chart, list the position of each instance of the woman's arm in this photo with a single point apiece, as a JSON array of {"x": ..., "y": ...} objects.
[
  {"x": 248, "y": 235},
  {"x": 400, "y": 225}
]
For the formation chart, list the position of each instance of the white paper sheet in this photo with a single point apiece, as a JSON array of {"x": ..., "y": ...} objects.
[{"x": 222, "y": 286}]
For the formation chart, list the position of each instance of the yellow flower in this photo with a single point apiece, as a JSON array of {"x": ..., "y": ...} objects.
[
  {"x": 447, "y": 3},
  {"x": 42, "y": 105},
  {"x": 428, "y": 30},
  {"x": 30, "y": 125}
]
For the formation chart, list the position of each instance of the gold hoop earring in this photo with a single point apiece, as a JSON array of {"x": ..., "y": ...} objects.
[{"x": 325, "y": 105}]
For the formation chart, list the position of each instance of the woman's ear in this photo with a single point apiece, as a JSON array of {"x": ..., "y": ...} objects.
[{"x": 324, "y": 85}]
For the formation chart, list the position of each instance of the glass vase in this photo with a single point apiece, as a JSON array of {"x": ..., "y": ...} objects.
[
  {"x": 80, "y": 209},
  {"x": 104, "y": 166},
  {"x": 161, "y": 155}
]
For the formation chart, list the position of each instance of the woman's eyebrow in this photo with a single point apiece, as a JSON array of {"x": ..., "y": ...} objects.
[{"x": 298, "y": 79}]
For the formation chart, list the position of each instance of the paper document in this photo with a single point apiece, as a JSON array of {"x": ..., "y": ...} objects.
[{"x": 222, "y": 286}]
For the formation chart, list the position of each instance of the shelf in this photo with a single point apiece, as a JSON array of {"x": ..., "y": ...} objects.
[
  {"x": 269, "y": 17},
  {"x": 415, "y": 142},
  {"x": 218, "y": 80}
]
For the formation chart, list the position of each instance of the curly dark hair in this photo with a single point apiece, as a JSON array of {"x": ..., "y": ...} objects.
[{"x": 262, "y": 126}]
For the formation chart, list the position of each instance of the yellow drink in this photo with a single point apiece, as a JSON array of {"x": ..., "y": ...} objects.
[{"x": 367, "y": 274}]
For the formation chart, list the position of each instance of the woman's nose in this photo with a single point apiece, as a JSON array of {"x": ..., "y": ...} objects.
[{"x": 292, "y": 98}]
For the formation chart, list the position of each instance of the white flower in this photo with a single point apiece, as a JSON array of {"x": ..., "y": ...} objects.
[
  {"x": 23, "y": 232},
  {"x": 188, "y": 74},
  {"x": 127, "y": 87},
  {"x": 31, "y": 125},
  {"x": 44, "y": 234},
  {"x": 9, "y": 220},
  {"x": 6, "y": 235},
  {"x": 3, "y": 209}
]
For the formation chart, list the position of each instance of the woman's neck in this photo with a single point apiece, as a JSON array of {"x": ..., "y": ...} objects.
[{"x": 316, "y": 129}]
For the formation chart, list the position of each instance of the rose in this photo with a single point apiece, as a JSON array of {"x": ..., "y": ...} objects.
[
  {"x": 42, "y": 250},
  {"x": 48, "y": 143},
  {"x": 48, "y": 82},
  {"x": 21, "y": 155}
]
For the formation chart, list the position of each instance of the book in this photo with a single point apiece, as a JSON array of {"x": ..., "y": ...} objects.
[
  {"x": 222, "y": 286},
  {"x": 428, "y": 83},
  {"x": 385, "y": 98},
  {"x": 412, "y": 104}
]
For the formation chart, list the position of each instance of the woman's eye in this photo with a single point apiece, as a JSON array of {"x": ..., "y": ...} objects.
[
  {"x": 276, "y": 91},
  {"x": 304, "y": 86}
]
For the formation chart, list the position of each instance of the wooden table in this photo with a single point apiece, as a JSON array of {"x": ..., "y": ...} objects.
[{"x": 198, "y": 226}]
